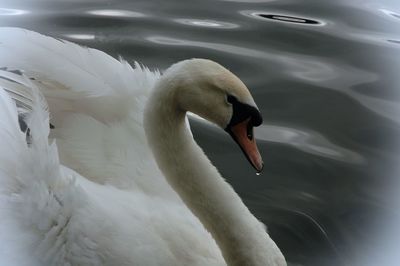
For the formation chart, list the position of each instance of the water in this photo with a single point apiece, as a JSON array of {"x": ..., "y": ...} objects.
[{"x": 325, "y": 76}]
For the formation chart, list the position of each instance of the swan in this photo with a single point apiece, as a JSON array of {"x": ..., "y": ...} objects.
[{"x": 107, "y": 172}]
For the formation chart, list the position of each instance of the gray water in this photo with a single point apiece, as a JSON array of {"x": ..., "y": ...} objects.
[{"x": 325, "y": 76}]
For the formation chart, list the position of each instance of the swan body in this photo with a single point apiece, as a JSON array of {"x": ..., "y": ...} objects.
[{"x": 119, "y": 180}]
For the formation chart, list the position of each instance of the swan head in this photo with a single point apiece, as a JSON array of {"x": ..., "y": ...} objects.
[{"x": 211, "y": 91}]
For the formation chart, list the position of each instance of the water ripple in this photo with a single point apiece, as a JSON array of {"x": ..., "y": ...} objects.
[
  {"x": 281, "y": 18},
  {"x": 308, "y": 141},
  {"x": 80, "y": 36},
  {"x": 206, "y": 23},
  {"x": 305, "y": 140},
  {"x": 12, "y": 12},
  {"x": 226, "y": 48},
  {"x": 290, "y": 19},
  {"x": 384, "y": 108},
  {"x": 307, "y": 68},
  {"x": 115, "y": 13},
  {"x": 250, "y": 1},
  {"x": 394, "y": 41},
  {"x": 391, "y": 14}
]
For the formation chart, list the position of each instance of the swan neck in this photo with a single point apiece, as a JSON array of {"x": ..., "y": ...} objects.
[{"x": 241, "y": 237}]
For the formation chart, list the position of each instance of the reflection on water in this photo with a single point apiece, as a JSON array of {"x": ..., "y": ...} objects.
[
  {"x": 390, "y": 13},
  {"x": 115, "y": 13},
  {"x": 308, "y": 141},
  {"x": 394, "y": 41},
  {"x": 283, "y": 18},
  {"x": 325, "y": 77},
  {"x": 79, "y": 36},
  {"x": 289, "y": 19},
  {"x": 207, "y": 23},
  {"x": 12, "y": 12}
]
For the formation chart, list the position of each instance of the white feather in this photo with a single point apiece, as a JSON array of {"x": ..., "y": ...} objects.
[
  {"x": 89, "y": 192},
  {"x": 96, "y": 104},
  {"x": 37, "y": 199},
  {"x": 53, "y": 216},
  {"x": 87, "y": 91}
]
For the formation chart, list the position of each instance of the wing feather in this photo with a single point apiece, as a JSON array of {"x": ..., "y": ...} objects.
[
  {"x": 37, "y": 194},
  {"x": 96, "y": 104},
  {"x": 66, "y": 70}
]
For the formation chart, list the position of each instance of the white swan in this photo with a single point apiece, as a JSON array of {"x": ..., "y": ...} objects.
[{"x": 95, "y": 196}]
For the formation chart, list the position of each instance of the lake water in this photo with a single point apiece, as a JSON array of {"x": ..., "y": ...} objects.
[{"x": 325, "y": 75}]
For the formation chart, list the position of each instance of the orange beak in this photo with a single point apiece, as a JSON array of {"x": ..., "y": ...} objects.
[{"x": 242, "y": 133}]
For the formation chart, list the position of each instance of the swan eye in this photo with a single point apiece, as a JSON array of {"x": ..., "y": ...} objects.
[{"x": 231, "y": 99}]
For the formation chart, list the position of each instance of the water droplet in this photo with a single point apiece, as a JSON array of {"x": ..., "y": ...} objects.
[{"x": 258, "y": 173}]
